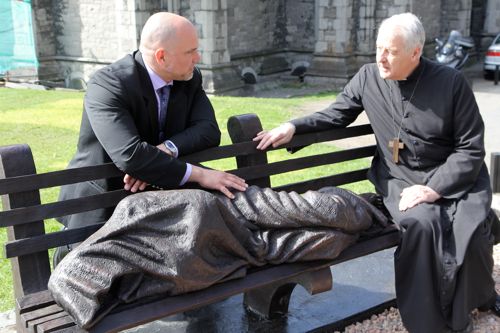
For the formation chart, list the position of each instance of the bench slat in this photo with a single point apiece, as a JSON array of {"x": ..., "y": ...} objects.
[
  {"x": 57, "y": 178},
  {"x": 33, "y": 324},
  {"x": 109, "y": 199},
  {"x": 76, "y": 175},
  {"x": 39, "y": 313},
  {"x": 315, "y": 184},
  {"x": 48, "y": 241},
  {"x": 70, "y": 176},
  {"x": 258, "y": 171},
  {"x": 40, "y": 243},
  {"x": 61, "y": 208},
  {"x": 57, "y": 325},
  {"x": 217, "y": 153},
  {"x": 34, "y": 301},
  {"x": 302, "y": 140}
]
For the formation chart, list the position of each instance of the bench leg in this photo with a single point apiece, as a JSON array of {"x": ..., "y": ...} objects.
[{"x": 272, "y": 300}]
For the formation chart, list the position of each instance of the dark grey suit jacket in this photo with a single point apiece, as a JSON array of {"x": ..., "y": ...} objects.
[{"x": 120, "y": 125}]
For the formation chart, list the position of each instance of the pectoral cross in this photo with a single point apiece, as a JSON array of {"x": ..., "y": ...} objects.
[{"x": 396, "y": 145}]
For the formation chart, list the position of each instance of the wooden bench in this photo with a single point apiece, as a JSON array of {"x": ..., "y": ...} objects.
[{"x": 266, "y": 291}]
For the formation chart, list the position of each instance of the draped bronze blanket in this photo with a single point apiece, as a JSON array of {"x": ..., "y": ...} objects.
[{"x": 172, "y": 242}]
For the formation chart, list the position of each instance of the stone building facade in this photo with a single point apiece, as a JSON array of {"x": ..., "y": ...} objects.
[{"x": 243, "y": 40}]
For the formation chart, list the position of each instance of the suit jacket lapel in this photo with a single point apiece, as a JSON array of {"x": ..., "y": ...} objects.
[{"x": 149, "y": 97}]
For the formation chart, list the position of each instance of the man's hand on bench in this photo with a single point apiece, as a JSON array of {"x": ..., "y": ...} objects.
[
  {"x": 217, "y": 180},
  {"x": 133, "y": 184},
  {"x": 276, "y": 137},
  {"x": 210, "y": 179}
]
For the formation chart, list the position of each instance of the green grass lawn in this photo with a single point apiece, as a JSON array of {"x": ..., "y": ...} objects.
[{"x": 49, "y": 121}]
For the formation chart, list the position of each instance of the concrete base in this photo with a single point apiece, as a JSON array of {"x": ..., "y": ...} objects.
[
  {"x": 334, "y": 69},
  {"x": 337, "y": 66},
  {"x": 221, "y": 78},
  {"x": 333, "y": 83},
  {"x": 23, "y": 74}
]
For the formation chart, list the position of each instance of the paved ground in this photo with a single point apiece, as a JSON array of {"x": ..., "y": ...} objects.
[
  {"x": 358, "y": 284},
  {"x": 488, "y": 99}
]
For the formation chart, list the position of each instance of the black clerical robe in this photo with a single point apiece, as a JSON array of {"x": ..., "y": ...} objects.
[{"x": 444, "y": 262}]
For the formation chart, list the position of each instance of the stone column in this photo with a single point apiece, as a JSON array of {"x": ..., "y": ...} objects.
[
  {"x": 366, "y": 32},
  {"x": 456, "y": 15},
  {"x": 334, "y": 59},
  {"x": 46, "y": 18},
  {"x": 492, "y": 23},
  {"x": 429, "y": 14},
  {"x": 219, "y": 74},
  {"x": 126, "y": 27}
]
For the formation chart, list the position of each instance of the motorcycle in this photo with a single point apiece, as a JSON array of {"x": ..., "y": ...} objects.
[{"x": 455, "y": 51}]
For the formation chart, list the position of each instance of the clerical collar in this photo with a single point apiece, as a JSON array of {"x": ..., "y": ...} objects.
[{"x": 415, "y": 74}]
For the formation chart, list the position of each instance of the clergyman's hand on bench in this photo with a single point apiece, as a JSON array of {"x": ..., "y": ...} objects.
[
  {"x": 276, "y": 137},
  {"x": 217, "y": 180}
]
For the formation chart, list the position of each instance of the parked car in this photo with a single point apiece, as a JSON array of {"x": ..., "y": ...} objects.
[{"x": 492, "y": 58}]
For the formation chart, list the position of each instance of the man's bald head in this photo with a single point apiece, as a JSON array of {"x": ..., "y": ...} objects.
[
  {"x": 169, "y": 46},
  {"x": 160, "y": 30}
]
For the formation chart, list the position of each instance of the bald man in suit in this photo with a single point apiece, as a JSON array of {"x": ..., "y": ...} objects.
[{"x": 122, "y": 119}]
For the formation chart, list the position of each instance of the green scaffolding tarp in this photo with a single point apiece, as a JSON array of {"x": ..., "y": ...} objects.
[{"x": 17, "y": 45}]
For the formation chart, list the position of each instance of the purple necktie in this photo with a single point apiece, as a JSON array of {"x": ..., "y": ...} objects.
[{"x": 163, "y": 93}]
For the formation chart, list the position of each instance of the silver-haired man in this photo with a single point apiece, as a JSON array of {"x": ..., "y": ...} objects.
[{"x": 430, "y": 171}]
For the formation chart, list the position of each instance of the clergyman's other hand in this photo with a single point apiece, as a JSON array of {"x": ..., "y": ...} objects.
[
  {"x": 217, "y": 180},
  {"x": 133, "y": 184},
  {"x": 275, "y": 137},
  {"x": 417, "y": 194}
]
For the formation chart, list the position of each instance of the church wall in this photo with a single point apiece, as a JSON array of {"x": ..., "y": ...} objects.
[
  {"x": 492, "y": 24},
  {"x": 76, "y": 37},
  {"x": 430, "y": 15},
  {"x": 300, "y": 25},
  {"x": 48, "y": 24},
  {"x": 455, "y": 15},
  {"x": 256, "y": 25},
  {"x": 270, "y": 37},
  {"x": 365, "y": 27}
]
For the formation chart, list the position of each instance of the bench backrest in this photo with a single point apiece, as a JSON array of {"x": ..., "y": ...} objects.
[{"x": 24, "y": 215}]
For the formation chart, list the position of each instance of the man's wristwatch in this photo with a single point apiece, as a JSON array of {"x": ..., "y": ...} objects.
[{"x": 170, "y": 146}]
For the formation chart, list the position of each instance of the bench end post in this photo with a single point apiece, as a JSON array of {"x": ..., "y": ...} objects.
[
  {"x": 31, "y": 272},
  {"x": 243, "y": 128}
]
